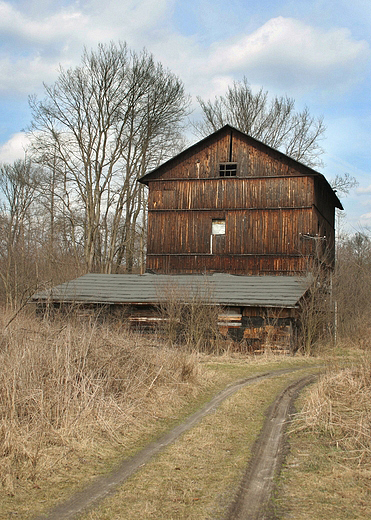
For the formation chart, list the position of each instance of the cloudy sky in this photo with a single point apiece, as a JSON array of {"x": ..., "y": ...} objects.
[{"x": 316, "y": 51}]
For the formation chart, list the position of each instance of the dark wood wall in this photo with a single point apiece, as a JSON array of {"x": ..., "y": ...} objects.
[{"x": 268, "y": 207}]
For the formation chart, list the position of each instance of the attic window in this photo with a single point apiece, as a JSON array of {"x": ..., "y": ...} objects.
[{"x": 228, "y": 169}]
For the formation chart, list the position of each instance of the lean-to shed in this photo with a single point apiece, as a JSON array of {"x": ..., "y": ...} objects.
[{"x": 255, "y": 308}]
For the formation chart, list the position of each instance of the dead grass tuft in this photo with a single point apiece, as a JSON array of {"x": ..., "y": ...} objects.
[
  {"x": 65, "y": 386},
  {"x": 339, "y": 408}
]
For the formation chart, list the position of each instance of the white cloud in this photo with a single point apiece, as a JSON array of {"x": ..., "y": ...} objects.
[
  {"x": 43, "y": 30},
  {"x": 14, "y": 148},
  {"x": 85, "y": 21},
  {"x": 363, "y": 190},
  {"x": 289, "y": 53},
  {"x": 130, "y": 15},
  {"x": 34, "y": 43},
  {"x": 365, "y": 220},
  {"x": 284, "y": 53}
]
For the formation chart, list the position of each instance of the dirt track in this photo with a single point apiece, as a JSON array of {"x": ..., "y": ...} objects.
[
  {"x": 253, "y": 499},
  {"x": 257, "y": 485}
]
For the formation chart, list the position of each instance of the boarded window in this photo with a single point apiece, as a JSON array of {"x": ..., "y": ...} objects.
[
  {"x": 228, "y": 169},
  {"x": 218, "y": 227}
]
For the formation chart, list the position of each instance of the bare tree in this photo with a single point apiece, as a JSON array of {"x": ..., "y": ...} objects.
[
  {"x": 101, "y": 126},
  {"x": 18, "y": 185},
  {"x": 343, "y": 183},
  {"x": 352, "y": 287},
  {"x": 275, "y": 122}
]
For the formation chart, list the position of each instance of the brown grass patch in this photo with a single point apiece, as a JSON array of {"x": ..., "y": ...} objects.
[
  {"x": 77, "y": 397},
  {"x": 339, "y": 407},
  {"x": 73, "y": 394},
  {"x": 328, "y": 472}
]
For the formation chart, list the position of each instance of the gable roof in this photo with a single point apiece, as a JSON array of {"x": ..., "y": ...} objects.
[
  {"x": 254, "y": 142},
  {"x": 151, "y": 289}
]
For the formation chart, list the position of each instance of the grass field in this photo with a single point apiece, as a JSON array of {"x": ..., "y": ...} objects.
[{"x": 75, "y": 398}]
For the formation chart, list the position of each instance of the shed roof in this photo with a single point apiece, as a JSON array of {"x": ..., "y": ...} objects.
[{"x": 218, "y": 288}]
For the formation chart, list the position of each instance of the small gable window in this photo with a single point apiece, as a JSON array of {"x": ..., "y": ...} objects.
[{"x": 228, "y": 169}]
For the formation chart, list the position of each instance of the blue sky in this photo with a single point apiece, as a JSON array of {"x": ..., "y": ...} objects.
[{"x": 316, "y": 51}]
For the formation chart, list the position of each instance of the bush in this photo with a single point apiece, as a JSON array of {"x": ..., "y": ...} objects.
[{"x": 190, "y": 318}]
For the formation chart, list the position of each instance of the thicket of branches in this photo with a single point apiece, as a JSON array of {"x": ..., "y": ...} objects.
[
  {"x": 352, "y": 288},
  {"x": 337, "y": 309},
  {"x": 100, "y": 127},
  {"x": 274, "y": 121},
  {"x": 28, "y": 253},
  {"x": 74, "y": 204}
]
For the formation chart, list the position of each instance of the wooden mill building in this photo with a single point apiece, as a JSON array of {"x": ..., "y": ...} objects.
[
  {"x": 232, "y": 204},
  {"x": 239, "y": 217}
]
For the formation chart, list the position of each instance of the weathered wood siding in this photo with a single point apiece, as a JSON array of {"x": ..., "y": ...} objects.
[
  {"x": 202, "y": 161},
  {"x": 268, "y": 207},
  {"x": 232, "y": 193}
]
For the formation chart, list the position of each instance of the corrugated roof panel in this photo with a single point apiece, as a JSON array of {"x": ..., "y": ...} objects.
[{"x": 220, "y": 288}]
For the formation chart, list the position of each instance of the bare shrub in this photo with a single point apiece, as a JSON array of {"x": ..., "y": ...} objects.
[
  {"x": 190, "y": 317},
  {"x": 336, "y": 308},
  {"x": 66, "y": 384},
  {"x": 317, "y": 320}
]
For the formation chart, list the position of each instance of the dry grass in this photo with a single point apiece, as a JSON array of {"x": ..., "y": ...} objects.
[
  {"x": 197, "y": 477},
  {"x": 68, "y": 389},
  {"x": 76, "y": 397},
  {"x": 328, "y": 472},
  {"x": 339, "y": 407}
]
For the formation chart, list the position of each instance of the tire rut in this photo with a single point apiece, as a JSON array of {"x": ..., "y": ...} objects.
[
  {"x": 253, "y": 499},
  {"x": 104, "y": 486}
]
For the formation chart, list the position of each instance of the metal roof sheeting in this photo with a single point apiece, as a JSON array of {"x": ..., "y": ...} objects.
[{"x": 218, "y": 288}]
